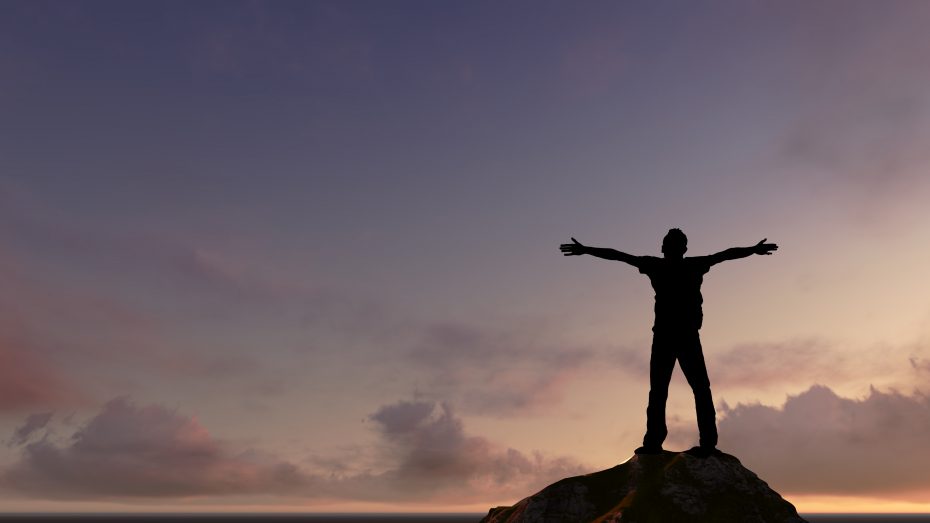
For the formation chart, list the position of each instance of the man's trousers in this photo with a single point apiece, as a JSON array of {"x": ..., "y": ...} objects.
[{"x": 683, "y": 345}]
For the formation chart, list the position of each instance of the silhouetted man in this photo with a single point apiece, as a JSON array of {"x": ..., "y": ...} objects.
[{"x": 678, "y": 317}]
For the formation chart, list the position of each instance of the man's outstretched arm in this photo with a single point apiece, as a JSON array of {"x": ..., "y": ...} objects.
[
  {"x": 735, "y": 253},
  {"x": 577, "y": 249}
]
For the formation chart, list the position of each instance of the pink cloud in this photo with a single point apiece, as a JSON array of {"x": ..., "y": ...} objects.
[
  {"x": 816, "y": 443},
  {"x": 423, "y": 454},
  {"x": 28, "y": 381},
  {"x": 436, "y": 459},
  {"x": 127, "y": 451},
  {"x": 920, "y": 365},
  {"x": 822, "y": 443}
]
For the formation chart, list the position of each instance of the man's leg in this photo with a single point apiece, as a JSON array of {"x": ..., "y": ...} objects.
[
  {"x": 661, "y": 365},
  {"x": 691, "y": 359}
]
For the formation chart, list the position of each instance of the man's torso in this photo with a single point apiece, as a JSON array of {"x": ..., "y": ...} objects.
[{"x": 677, "y": 284}]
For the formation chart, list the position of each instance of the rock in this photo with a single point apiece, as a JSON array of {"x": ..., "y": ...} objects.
[{"x": 669, "y": 487}]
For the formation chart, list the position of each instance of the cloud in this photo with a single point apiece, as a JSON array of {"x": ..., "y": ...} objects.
[
  {"x": 822, "y": 443},
  {"x": 33, "y": 424},
  {"x": 794, "y": 362},
  {"x": 862, "y": 110},
  {"x": 127, "y": 451},
  {"x": 497, "y": 371},
  {"x": 33, "y": 229},
  {"x": 27, "y": 380},
  {"x": 437, "y": 460},
  {"x": 122, "y": 309},
  {"x": 191, "y": 289},
  {"x": 920, "y": 365}
]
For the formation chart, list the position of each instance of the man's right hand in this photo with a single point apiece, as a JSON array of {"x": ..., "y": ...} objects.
[{"x": 572, "y": 249}]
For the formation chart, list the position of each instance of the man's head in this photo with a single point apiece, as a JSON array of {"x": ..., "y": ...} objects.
[{"x": 675, "y": 244}]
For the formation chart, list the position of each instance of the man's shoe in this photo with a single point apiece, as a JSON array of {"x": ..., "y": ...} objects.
[
  {"x": 702, "y": 452},
  {"x": 645, "y": 449}
]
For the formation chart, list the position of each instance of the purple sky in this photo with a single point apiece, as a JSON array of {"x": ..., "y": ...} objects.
[{"x": 303, "y": 255}]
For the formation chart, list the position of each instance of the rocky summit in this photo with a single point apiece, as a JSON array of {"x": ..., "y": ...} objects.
[{"x": 670, "y": 487}]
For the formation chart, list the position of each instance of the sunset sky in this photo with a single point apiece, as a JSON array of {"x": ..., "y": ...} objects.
[{"x": 303, "y": 256}]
